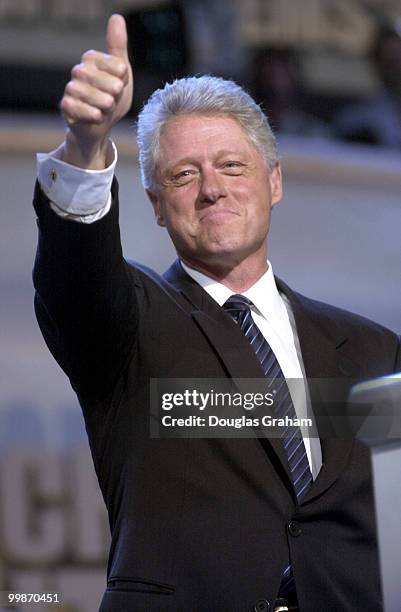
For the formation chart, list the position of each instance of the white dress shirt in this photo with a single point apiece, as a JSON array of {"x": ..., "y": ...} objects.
[
  {"x": 84, "y": 196},
  {"x": 75, "y": 193}
]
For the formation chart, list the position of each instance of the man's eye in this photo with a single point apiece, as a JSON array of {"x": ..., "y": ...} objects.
[
  {"x": 233, "y": 167},
  {"x": 182, "y": 176}
]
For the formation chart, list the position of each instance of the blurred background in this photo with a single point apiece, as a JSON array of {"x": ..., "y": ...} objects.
[{"x": 328, "y": 74}]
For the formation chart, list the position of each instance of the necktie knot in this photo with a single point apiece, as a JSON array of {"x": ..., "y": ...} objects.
[{"x": 237, "y": 306}]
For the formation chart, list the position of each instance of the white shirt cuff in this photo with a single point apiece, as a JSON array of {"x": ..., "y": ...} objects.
[{"x": 75, "y": 193}]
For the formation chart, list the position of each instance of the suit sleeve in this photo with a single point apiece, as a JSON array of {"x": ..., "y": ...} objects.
[{"x": 86, "y": 298}]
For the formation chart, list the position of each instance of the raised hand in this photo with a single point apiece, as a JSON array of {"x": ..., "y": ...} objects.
[{"x": 98, "y": 95}]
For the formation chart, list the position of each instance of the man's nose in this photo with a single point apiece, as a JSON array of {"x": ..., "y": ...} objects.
[{"x": 212, "y": 187}]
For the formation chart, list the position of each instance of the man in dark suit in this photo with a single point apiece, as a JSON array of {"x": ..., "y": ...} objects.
[{"x": 204, "y": 524}]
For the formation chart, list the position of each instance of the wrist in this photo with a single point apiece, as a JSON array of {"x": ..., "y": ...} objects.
[{"x": 90, "y": 155}]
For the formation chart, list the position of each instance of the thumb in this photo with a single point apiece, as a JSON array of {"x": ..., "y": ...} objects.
[{"x": 116, "y": 37}]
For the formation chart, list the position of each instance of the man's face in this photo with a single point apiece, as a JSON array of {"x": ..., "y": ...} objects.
[{"x": 214, "y": 191}]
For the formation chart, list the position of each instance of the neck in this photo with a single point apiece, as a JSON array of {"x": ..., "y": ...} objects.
[{"x": 239, "y": 277}]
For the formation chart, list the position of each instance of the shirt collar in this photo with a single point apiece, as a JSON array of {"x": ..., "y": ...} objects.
[{"x": 263, "y": 294}]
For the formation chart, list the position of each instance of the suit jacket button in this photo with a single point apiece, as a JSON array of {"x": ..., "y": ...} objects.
[
  {"x": 262, "y": 605},
  {"x": 294, "y": 529}
]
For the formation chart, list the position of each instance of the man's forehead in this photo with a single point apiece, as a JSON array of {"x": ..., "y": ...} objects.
[
  {"x": 185, "y": 136},
  {"x": 200, "y": 121}
]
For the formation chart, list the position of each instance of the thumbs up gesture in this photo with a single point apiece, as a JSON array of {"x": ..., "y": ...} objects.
[{"x": 98, "y": 95}]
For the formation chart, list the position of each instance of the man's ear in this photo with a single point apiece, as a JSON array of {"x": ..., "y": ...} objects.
[
  {"x": 156, "y": 207},
  {"x": 276, "y": 185}
]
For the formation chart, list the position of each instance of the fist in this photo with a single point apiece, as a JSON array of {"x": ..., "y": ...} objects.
[{"x": 100, "y": 90}]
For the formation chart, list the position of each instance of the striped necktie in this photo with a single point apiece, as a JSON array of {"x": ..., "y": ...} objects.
[{"x": 239, "y": 308}]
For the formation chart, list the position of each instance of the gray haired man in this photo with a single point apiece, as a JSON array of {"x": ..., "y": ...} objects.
[{"x": 206, "y": 524}]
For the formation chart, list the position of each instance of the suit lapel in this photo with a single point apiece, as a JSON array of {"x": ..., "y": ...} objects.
[
  {"x": 222, "y": 333},
  {"x": 227, "y": 339},
  {"x": 324, "y": 354}
]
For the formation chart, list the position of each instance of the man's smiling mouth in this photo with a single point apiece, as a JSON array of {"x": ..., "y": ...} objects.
[{"x": 218, "y": 214}]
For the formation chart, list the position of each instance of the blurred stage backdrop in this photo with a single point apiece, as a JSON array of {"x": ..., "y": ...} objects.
[{"x": 318, "y": 67}]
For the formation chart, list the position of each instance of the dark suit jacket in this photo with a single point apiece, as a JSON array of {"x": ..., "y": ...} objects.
[{"x": 202, "y": 525}]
